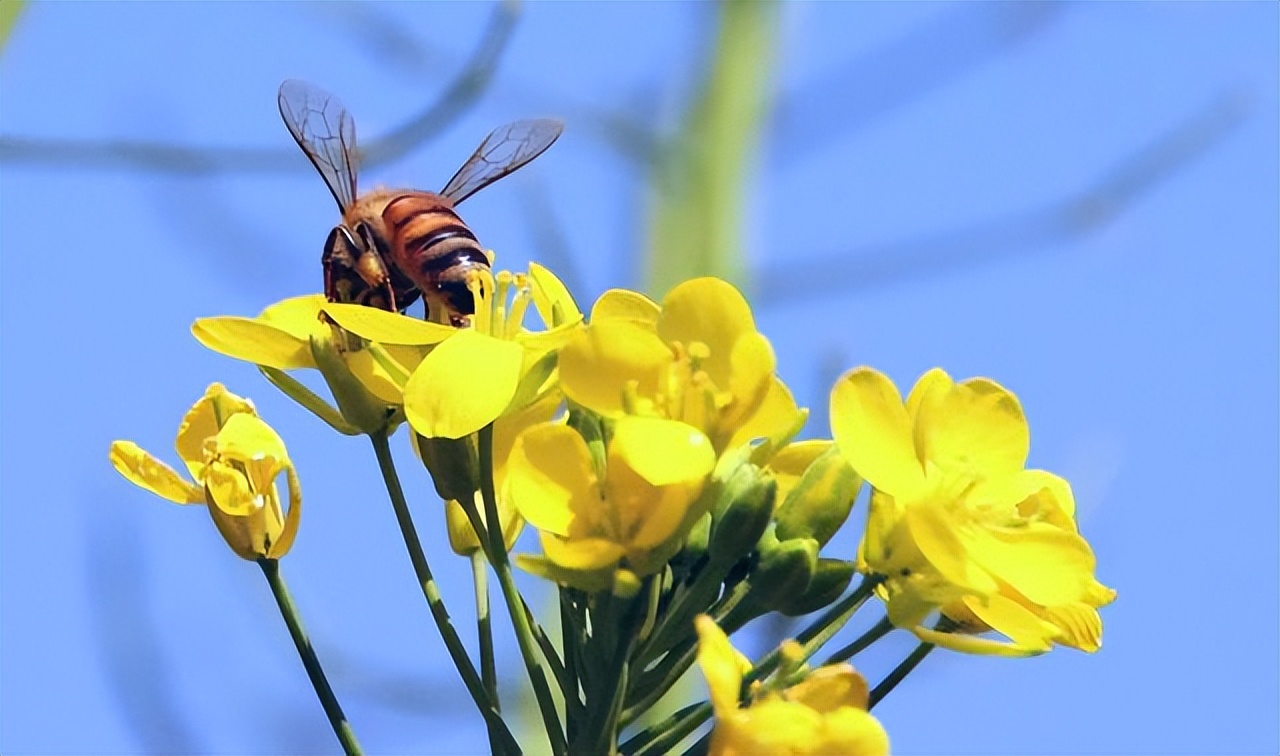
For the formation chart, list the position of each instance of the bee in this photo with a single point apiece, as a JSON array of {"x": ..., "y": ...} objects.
[{"x": 394, "y": 245}]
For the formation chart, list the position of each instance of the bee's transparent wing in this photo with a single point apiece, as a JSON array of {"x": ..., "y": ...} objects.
[
  {"x": 501, "y": 153},
  {"x": 326, "y": 133}
]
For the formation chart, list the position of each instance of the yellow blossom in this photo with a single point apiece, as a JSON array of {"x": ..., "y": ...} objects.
[
  {"x": 824, "y": 715},
  {"x": 481, "y": 372},
  {"x": 233, "y": 458},
  {"x": 957, "y": 523},
  {"x": 281, "y": 338},
  {"x": 697, "y": 358},
  {"x": 629, "y": 516}
]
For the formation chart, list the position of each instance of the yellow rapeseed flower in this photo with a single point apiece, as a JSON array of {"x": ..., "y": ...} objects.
[
  {"x": 282, "y": 336},
  {"x": 629, "y": 516},
  {"x": 824, "y": 715},
  {"x": 956, "y": 523},
  {"x": 697, "y": 358},
  {"x": 479, "y": 373},
  {"x": 233, "y": 458}
]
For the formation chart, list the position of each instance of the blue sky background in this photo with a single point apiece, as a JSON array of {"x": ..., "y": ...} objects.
[{"x": 911, "y": 209}]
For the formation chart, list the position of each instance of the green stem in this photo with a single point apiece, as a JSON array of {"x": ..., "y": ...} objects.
[
  {"x": 822, "y": 630},
  {"x": 664, "y": 736},
  {"x": 484, "y": 632},
  {"x": 570, "y": 640},
  {"x": 899, "y": 673},
  {"x": 515, "y": 603},
  {"x": 338, "y": 720},
  {"x": 860, "y": 644},
  {"x": 453, "y": 643}
]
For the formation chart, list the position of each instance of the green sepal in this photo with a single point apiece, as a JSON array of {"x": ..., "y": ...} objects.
[
  {"x": 454, "y": 464},
  {"x": 295, "y": 390},
  {"x": 358, "y": 407},
  {"x": 829, "y": 582},
  {"x": 821, "y": 500}
]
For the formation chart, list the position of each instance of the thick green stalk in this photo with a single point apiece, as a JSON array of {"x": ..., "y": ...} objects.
[
  {"x": 515, "y": 602},
  {"x": 338, "y": 720},
  {"x": 430, "y": 590}
]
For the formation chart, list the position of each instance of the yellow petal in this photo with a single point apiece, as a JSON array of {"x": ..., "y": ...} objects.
[
  {"x": 1006, "y": 616},
  {"x": 289, "y": 532},
  {"x": 145, "y": 471},
  {"x": 871, "y": 426},
  {"x": 253, "y": 341},
  {"x": 581, "y": 554},
  {"x": 662, "y": 452},
  {"x": 549, "y": 474},
  {"x": 853, "y": 731},
  {"x": 751, "y": 364},
  {"x": 509, "y": 427},
  {"x": 599, "y": 363},
  {"x": 830, "y": 688},
  {"x": 255, "y": 447},
  {"x": 929, "y": 389},
  {"x": 622, "y": 304},
  {"x": 203, "y": 421},
  {"x": 463, "y": 385},
  {"x": 387, "y": 327},
  {"x": 1046, "y": 564},
  {"x": 552, "y": 298},
  {"x": 1079, "y": 624},
  {"x": 719, "y": 663},
  {"x": 978, "y": 425},
  {"x": 299, "y": 316},
  {"x": 942, "y": 540},
  {"x": 713, "y": 312},
  {"x": 776, "y": 418}
]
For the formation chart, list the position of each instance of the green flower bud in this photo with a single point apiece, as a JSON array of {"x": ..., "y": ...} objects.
[
  {"x": 820, "y": 502},
  {"x": 784, "y": 571},
  {"x": 829, "y": 582},
  {"x": 454, "y": 464},
  {"x": 741, "y": 513},
  {"x": 358, "y": 407}
]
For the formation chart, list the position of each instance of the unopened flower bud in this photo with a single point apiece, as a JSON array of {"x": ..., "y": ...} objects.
[
  {"x": 741, "y": 513},
  {"x": 820, "y": 502},
  {"x": 784, "y": 571},
  {"x": 830, "y": 580},
  {"x": 454, "y": 464}
]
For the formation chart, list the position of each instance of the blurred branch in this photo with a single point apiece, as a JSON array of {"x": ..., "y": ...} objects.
[
  {"x": 461, "y": 93},
  {"x": 1069, "y": 218},
  {"x": 699, "y": 181},
  {"x": 9, "y": 12},
  {"x": 899, "y": 72}
]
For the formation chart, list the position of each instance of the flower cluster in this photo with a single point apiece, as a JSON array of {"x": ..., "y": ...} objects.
[{"x": 652, "y": 447}]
